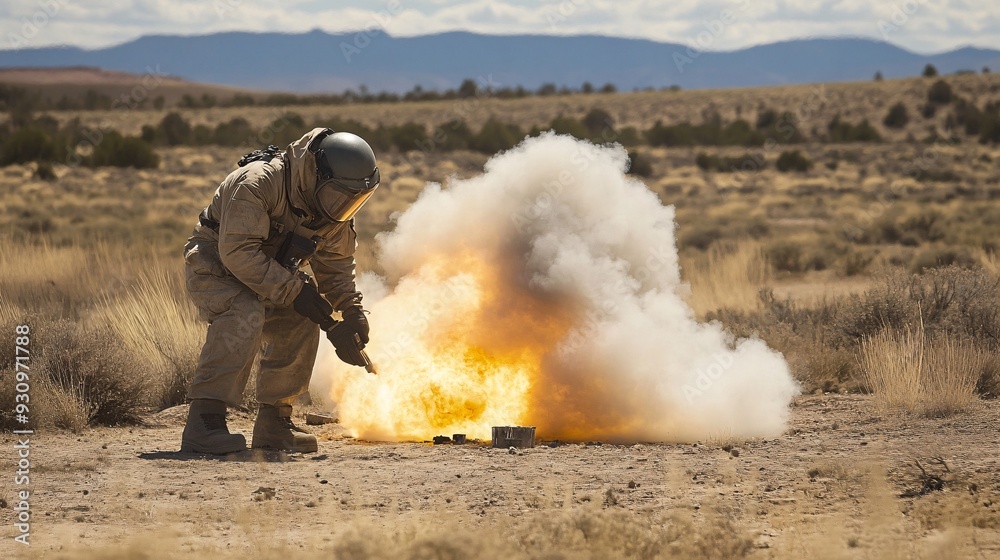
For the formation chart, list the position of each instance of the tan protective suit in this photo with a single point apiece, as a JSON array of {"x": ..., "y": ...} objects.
[{"x": 246, "y": 296}]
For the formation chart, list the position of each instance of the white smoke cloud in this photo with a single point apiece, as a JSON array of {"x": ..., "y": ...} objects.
[{"x": 547, "y": 292}]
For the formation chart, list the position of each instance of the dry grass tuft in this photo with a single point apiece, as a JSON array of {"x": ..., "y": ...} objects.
[
  {"x": 909, "y": 372},
  {"x": 159, "y": 325},
  {"x": 728, "y": 276},
  {"x": 101, "y": 383},
  {"x": 60, "y": 406}
]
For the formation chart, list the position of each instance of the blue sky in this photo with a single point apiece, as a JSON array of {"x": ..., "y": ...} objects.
[{"x": 924, "y": 26}]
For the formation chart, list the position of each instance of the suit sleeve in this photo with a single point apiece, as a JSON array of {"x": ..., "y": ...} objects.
[
  {"x": 333, "y": 264},
  {"x": 243, "y": 226}
]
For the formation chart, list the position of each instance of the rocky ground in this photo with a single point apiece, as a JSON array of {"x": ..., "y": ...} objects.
[{"x": 840, "y": 483}]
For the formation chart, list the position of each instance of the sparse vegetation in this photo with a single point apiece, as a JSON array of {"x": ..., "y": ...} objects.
[
  {"x": 875, "y": 238},
  {"x": 897, "y": 117},
  {"x": 907, "y": 372},
  {"x": 124, "y": 151},
  {"x": 841, "y": 131},
  {"x": 793, "y": 161},
  {"x": 939, "y": 93}
]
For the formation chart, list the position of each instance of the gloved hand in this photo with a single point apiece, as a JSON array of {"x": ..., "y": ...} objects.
[
  {"x": 342, "y": 338},
  {"x": 355, "y": 318},
  {"x": 311, "y": 305}
]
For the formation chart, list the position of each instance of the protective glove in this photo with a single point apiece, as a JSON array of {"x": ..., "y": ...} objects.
[
  {"x": 342, "y": 336},
  {"x": 311, "y": 305},
  {"x": 355, "y": 318}
]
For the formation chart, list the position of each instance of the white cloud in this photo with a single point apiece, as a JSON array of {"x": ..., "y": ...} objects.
[{"x": 926, "y": 25}]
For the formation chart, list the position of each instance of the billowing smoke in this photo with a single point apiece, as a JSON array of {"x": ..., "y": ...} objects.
[{"x": 547, "y": 292}]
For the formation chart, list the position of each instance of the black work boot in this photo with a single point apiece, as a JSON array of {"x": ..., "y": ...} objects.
[
  {"x": 206, "y": 430},
  {"x": 274, "y": 430}
]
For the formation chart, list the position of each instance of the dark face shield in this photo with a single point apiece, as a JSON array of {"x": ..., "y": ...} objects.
[{"x": 340, "y": 199}]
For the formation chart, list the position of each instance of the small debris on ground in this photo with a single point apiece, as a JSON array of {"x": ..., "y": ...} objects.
[
  {"x": 264, "y": 493},
  {"x": 317, "y": 419}
]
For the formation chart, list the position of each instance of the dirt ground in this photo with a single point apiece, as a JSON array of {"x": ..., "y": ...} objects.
[{"x": 831, "y": 487}]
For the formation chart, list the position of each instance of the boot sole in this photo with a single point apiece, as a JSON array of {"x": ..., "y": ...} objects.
[
  {"x": 189, "y": 448},
  {"x": 309, "y": 449}
]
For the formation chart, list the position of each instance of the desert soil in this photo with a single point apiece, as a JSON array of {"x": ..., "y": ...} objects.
[{"x": 834, "y": 482}]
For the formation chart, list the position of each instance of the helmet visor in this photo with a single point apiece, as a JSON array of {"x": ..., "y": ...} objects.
[{"x": 340, "y": 199}]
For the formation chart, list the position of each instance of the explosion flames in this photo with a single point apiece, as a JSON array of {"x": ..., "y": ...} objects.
[{"x": 547, "y": 292}]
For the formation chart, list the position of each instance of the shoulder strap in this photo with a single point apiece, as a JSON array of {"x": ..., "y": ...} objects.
[{"x": 263, "y": 154}]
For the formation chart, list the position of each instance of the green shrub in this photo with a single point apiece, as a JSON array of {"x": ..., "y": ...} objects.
[
  {"x": 235, "y": 132},
  {"x": 408, "y": 136},
  {"x": 496, "y": 136},
  {"x": 897, "y": 117},
  {"x": 148, "y": 134},
  {"x": 350, "y": 125},
  {"x": 664, "y": 135},
  {"x": 600, "y": 125},
  {"x": 740, "y": 133},
  {"x": 468, "y": 89},
  {"x": 45, "y": 172},
  {"x": 930, "y": 71},
  {"x": 701, "y": 237},
  {"x": 283, "y": 130},
  {"x": 570, "y": 126},
  {"x": 639, "y": 165},
  {"x": 628, "y": 136},
  {"x": 27, "y": 144},
  {"x": 174, "y": 130},
  {"x": 124, "y": 151},
  {"x": 939, "y": 93},
  {"x": 202, "y": 135},
  {"x": 453, "y": 135},
  {"x": 793, "y": 161},
  {"x": 990, "y": 132},
  {"x": 745, "y": 163},
  {"x": 709, "y": 133},
  {"x": 779, "y": 127},
  {"x": 240, "y": 100},
  {"x": 967, "y": 116},
  {"x": 840, "y": 131}
]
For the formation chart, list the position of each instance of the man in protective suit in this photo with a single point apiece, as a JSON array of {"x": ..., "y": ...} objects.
[{"x": 277, "y": 212}]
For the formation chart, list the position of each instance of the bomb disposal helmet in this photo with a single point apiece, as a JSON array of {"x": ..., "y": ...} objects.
[{"x": 346, "y": 174}]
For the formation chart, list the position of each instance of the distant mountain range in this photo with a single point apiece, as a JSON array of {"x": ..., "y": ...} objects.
[{"x": 317, "y": 62}]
